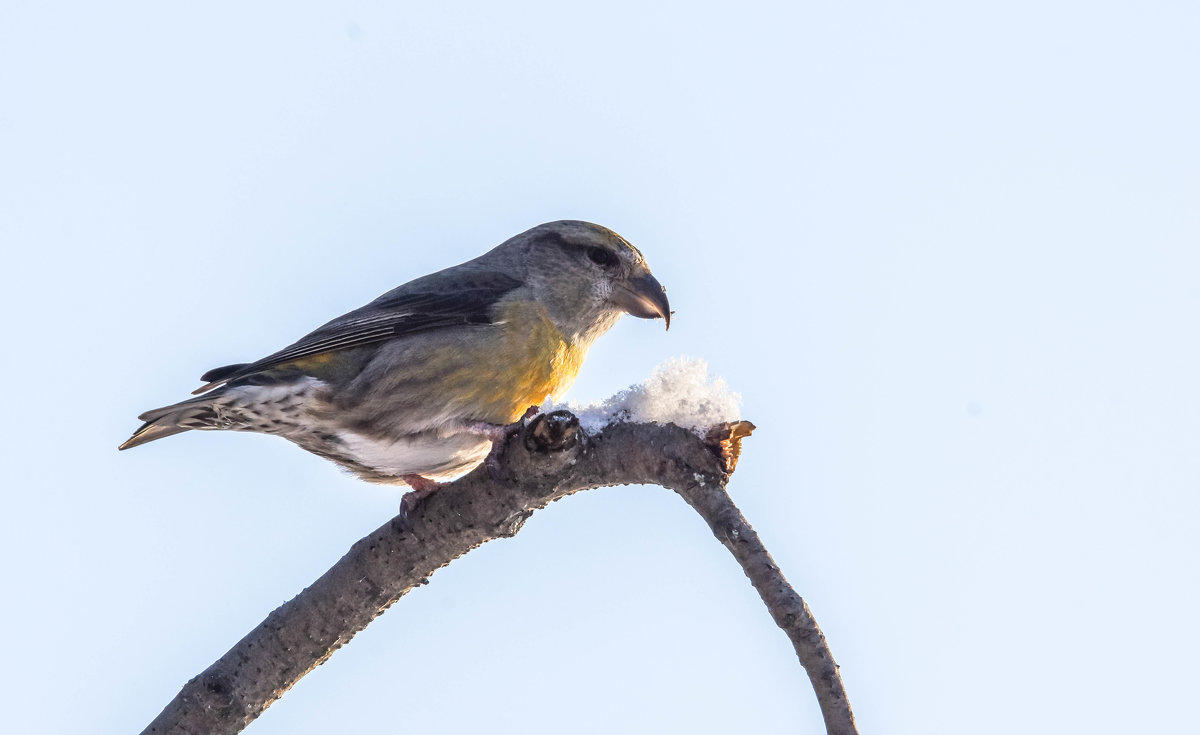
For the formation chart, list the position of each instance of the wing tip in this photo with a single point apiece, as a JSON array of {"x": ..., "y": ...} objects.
[{"x": 220, "y": 375}]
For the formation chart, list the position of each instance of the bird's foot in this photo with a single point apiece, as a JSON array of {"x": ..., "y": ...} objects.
[
  {"x": 422, "y": 488},
  {"x": 500, "y": 434}
]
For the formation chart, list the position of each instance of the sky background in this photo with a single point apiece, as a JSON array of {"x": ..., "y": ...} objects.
[{"x": 949, "y": 253}]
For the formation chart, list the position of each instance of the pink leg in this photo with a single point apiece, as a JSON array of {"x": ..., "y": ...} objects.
[
  {"x": 499, "y": 434},
  {"x": 421, "y": 488}
]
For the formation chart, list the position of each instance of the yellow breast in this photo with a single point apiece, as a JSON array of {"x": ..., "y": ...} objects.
[
  {"x": 544, "y": 362},
  {"x": 527, "y": 360}
]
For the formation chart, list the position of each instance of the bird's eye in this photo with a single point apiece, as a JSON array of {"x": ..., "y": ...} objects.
[{"x": 602, "y": 257}]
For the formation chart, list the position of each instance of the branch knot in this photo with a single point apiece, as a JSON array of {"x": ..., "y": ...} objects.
[{"x": 557, "y": 431}]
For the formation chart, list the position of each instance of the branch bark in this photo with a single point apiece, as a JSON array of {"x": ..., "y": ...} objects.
[{"x": 549, "y": 459}]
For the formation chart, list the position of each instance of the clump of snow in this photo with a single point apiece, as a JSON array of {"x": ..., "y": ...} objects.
[{"x": 679, "y": 392}]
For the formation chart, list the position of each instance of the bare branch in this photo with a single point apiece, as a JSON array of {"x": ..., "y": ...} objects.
[
  {"x": 549, "y": 459},
  {"x": 787, "y": 608}
]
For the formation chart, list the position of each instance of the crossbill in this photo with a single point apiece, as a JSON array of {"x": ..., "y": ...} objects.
[{"x": 415, "y": 386}]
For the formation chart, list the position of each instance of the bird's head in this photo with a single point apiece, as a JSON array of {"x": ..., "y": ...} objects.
[{"x": 587, "y": 276}]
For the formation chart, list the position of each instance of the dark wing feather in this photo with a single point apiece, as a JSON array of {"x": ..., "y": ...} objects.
[
  {"x": 438, "y": 301},
  {"x": 221, "y": 373}
]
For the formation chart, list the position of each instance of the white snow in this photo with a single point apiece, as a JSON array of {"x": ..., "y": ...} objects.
[{"x": 679, "y": 392}]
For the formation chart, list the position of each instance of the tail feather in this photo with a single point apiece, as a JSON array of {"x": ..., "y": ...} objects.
[
  {"x": 270, "y": 408},
  {"x": 197, "y": 413},
  {"x": 150, "y": 432}
]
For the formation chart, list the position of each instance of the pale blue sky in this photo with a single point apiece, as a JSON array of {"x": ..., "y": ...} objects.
[{"x": 948, "y": 252}]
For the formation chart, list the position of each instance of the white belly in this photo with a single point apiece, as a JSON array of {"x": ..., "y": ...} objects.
[{"x": 433, "y": 457}]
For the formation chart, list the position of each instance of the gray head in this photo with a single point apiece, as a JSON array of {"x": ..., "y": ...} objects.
[{"x": 586, "y": 276}]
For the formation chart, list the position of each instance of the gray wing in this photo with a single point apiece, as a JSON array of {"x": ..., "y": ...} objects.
[{"x": 438, "y": 301}]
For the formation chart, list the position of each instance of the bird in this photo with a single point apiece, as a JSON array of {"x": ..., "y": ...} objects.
[{"x": 416, "y": 387}]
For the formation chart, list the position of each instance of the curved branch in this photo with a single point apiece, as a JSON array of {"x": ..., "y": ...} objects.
[{"x": 549, "y": 459}]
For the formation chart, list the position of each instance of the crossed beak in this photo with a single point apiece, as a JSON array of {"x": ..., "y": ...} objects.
[{"x": 643, "y": 297}]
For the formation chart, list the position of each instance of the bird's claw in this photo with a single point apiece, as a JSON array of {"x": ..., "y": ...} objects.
[
  {"x": 421, "y": 488},
  {"x": 492, "y": 461},
  {"x": 500, "y": 436}
]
